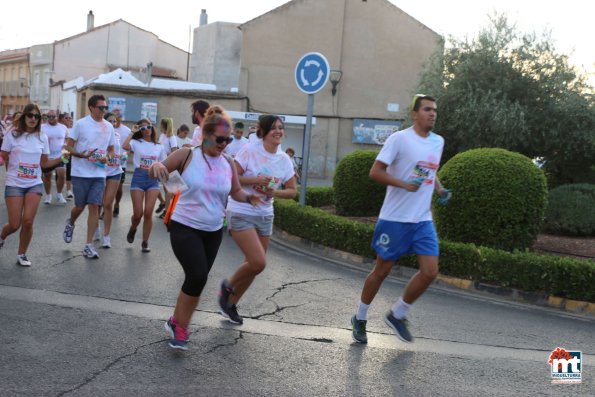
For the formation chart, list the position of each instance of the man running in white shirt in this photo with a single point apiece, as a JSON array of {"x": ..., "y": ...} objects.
[
  {"x": 91, "y": 144},
  {"x": 238, "y": 140},
  {"x": 199, "y": 108},
  {"x": 408, "y": 165},
  {"x": 56, "y": 134}
]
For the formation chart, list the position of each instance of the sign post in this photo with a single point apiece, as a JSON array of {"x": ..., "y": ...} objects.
[{"x": 311, "y": 75}]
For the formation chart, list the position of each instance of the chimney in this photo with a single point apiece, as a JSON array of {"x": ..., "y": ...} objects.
[
  {"x": 90, "y": 21},
  {"x": 204, "y": 18}
]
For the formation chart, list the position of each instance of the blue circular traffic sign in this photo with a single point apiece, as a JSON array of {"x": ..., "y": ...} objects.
[{"x": 312, "y": 73}]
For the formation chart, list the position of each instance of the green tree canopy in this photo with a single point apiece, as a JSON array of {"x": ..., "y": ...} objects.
[{"x": 514, "y": 91}]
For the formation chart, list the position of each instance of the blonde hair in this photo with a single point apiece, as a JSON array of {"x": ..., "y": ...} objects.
[{"x": 167, "y": 123}]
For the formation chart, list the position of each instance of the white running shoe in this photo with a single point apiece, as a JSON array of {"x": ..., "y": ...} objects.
[
  {"x": 23, "y": 261},
  {"x": 89, "y": 252},
  {"x": 97, "y": 235},
  {"x": 48, "y": 199},
  {"x": 61, "y": 198},
  {"x": 107, "y": 243},
  {"x": 69, "y": 194}
]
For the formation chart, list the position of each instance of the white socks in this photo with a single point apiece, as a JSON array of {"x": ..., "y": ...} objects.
[
  {"x": 362, "y": 311},
  {"x": 400, "y": 309}
]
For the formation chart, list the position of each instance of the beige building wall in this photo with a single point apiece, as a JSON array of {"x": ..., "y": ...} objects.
[
  {"x": 216, "y": 55},
  {"x": 118, "y": 44},
  {"x": 14, "y": 80},
  {"x": 379, "y": 49},
  {"x": 40, "y": 59}
]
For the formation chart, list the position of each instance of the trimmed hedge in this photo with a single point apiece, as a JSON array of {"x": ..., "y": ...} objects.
[
  {"x": 355, "y": 193},
  {"x": 499, "y": 198},
  {"x": 318, "y": 196},
  {"x": 563, "y": 277},
  {"x": 571, "y": 210}
]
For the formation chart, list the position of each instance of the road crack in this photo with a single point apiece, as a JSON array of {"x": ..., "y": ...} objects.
[
  {"x": 278, "y": 308},
  {"x": 235, "y": 342},
  {"x": 96, "y": 374}
]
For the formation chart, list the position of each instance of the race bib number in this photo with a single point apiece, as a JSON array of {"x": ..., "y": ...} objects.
[
  {"x": 114, "y": 161},
  {"x": 27, "y": 171},
  {"x": 423, "y": 172},
  {"x": 96, "y": 155},
  {"x": 147, "y": 161}
]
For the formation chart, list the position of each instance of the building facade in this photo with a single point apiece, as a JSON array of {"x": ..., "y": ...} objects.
[
  {"x": 378, "y": 49},
  {"x": 14, "y": 80}
]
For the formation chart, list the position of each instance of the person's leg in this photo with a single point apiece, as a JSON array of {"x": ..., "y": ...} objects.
[
  {"x": 254, "y": 248},
  {"x": 138, "y": 198},
  {"x": 119, "y": 192},
  {"x": 31, "y": 204},
  {"x": 150, "y": 199},
  {"x": 14, "y": 209},
  {"x": 46, "y": 177},
  {"x": 196, "y": 262},
  {"x": 375, "y": 279},
  {"x": 419, "y": 283},
  {"x": 111, "y": 187},
  {"x": 92, "y": 221},
  {"x": 61, "y": 174}
]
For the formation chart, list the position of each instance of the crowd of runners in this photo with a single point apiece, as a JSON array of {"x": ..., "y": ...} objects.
[{"x": 224, "y": 177}]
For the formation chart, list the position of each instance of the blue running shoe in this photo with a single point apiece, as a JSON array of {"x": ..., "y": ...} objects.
[{"x": 399, "y": 326}]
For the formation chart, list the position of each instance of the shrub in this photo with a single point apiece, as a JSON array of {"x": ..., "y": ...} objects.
[
  {"x": 571, "y": 210},
  {"x": 318, "y": 196},
  {"x": 355, "y": 193},
  {"x": 499, "y": 198},
  {"x": 564, "y": 277}
]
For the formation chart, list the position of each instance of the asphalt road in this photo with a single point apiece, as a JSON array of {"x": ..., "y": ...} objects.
[{"x": 78, "y": 327}]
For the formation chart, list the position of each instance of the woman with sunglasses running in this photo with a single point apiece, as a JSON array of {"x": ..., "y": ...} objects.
[
  {"x": 143, "y": 189},
  {"x": 196, "y": 225},
  {"x": 25, "y": 152},
  {"x": 268, "y": 173}
]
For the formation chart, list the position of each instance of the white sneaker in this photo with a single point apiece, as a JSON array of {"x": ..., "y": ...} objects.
[
  {"x": 22, "y": 260},
  {"x": 97, "y": 235},
  {"x": 69, "y": 194},
  {"x": 60, "y": 198},
  {"x": 89, "y": 252},
  {"x": 106, "y": 242},
  {"x": 48, "y": 199}
]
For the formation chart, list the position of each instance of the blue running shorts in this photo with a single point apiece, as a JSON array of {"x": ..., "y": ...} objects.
[{"x": 394, "y": 239}]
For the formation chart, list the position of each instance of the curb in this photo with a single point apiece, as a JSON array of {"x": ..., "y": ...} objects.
[{"x": 350, "y": 260}]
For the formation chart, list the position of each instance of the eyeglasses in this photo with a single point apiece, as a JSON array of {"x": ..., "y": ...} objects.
[
  {"x": 33, "y": 115},
  {"x": 102, "y": 108},
  {"x": 221, "y": 139},
  {"x": 145, "y": 127},
  {"x": 51, "y": 117}
]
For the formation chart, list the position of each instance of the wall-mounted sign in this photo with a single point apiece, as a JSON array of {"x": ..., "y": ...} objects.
[{"x": 374, "y": 132}]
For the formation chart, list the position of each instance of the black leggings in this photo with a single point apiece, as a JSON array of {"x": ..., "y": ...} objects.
[{"x": 196, "y": 251}]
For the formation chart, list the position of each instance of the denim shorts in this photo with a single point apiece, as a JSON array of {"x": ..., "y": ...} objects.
[
  {"x": 15, "y": 191},
  {"x": 117, "y": 178},
  {"x": 394, "y": 239},
  {"x": 142, "y": 181},
  {"x": 238, "y": 222},
  {"x": 87, "y": 190}
]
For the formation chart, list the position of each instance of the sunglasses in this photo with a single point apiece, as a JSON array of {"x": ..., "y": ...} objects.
[
  {"x": 113, "y": 121},
  {"x": 51, "y": 117},
  {"x": 33, "y": 115},
  {"x": 146, "y": 127},
  {"x": 221, "y": 139},
  {"x": 102, "y": 108},
  {"x": 416, "y": 98},
  {"x": 67, "y": 118}
]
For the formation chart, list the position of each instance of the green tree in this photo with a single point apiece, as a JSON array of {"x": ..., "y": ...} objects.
[{"x": 514, "y": 91}]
